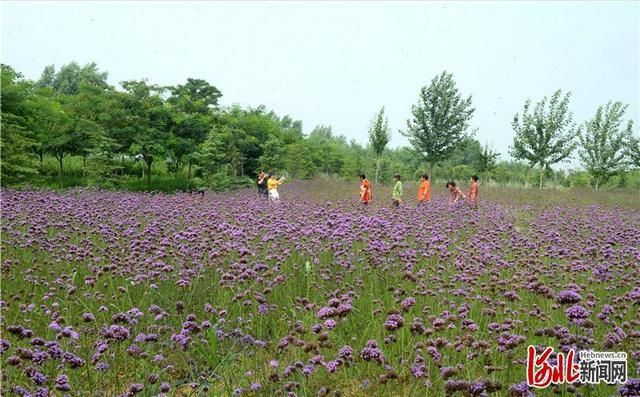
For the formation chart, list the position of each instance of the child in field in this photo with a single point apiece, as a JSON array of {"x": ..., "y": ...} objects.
[
  {"x": 473, "y": 192},
  {"x": 273, "y": 184},
  {"x": 455, "y": 191},
  {"x": 396, "y": 196},
  {"x": 365, "y": 190},
  {"x": 424, "y": 190}
]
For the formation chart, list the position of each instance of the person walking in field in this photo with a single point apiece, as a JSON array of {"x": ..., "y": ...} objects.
[
  {"x": 262, "y": 183},
  {"x": 365, "y": 190},
  {"x": 456, "y": 193},
  {"x": 473, "y": 192},
  {"x": 272, "y": 185},
  {"x": 424, "y": 190},
  {"x": 396, "y": 195}
]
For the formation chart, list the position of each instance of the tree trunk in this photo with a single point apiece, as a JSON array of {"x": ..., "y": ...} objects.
[
  {"x": 189, "y": 176},
  {"x": 149, "y": 175},
  {"x": 541, "y": 175},
  {"x": 60, "y": 156},
  {"x": 431, "y": 171},
  {"x": 597, "y": 183},
  {"x": 40, "y": 154},
  {"x": 377, "y": 168},
  {"x": 84, "y": 164}
]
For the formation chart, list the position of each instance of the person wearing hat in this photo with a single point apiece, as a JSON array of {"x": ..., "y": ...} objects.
[{"x": 397, "y": 191}]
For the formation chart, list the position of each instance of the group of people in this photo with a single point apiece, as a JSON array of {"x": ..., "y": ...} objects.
[
  {"x": 424, "y": 191},
  {"x": 268, "y": 185}
]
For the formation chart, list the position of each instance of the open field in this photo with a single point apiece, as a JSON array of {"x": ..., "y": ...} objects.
[{"x": 110, "y": 293}]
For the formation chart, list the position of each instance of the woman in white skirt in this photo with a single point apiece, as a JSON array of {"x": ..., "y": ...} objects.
[{"x": 273, "y": 184}]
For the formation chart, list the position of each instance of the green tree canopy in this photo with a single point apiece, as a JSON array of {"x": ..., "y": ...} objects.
[
  {"x": 379, "y": 136},
  {"x": 547, "y": 135},
  {"x": 18, "y": 141},
  {"x": 603, "y": 142},
  {"x": 68, "y": 79},
  {"x": 439, "y": 120}
]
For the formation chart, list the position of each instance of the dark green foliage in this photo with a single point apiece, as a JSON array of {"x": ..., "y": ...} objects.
[{"x": 18, "y": 141}]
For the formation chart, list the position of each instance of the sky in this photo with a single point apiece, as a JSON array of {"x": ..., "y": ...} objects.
[{"x": 337, "y": 63}]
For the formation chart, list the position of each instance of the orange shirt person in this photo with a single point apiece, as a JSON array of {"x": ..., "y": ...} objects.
[
  {"x": 424, "y": 190},
  {"x": 365, "y": 190},
  {"x": 473, "y": 191}
]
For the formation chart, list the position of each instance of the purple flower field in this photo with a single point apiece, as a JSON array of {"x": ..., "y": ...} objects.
[{"x": 115, "y": 293}]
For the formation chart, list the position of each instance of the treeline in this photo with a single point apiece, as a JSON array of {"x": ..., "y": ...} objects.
[{"x": 72, "y": 128}]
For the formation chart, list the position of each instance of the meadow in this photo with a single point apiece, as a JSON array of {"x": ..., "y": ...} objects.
[{"x": 117, "y": 293}]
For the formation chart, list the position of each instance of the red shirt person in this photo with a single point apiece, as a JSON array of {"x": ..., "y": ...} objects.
[
  {"x": 365, "y": 190},
  {"x": 473, "y": 191}
]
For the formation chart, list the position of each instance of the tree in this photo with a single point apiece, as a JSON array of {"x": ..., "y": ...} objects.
[
  {"x": 272, "y": 158},
  {"x": 633, "y": 151},
  {"x": 195, "y": 96},
  {"x": 602, "y": 151},
  {"x": 61, "y": 142},
  {"x": 90, "y": 110},
  {"x": 17, "y": 141},
  {"x": 192, "y": 105},
  {"x": 379, "y": 136},
  {"x": 327, "y": 148},
  {"x": 53, "y": 127},
  {"x": 461, "y": 172},
  {"x": 147, "y": 121},
  {"x": 223, "y": 151},
  {"x": 439, "y": 120},
  {"x": 69, "y": 78},
  {"x": 486, "y": 161},
  {"x": 545, "y": 136}
]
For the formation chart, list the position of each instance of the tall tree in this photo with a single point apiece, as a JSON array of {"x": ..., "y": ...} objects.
[
  {"x": 69, "y": 78},
  {"x": 486, "y": 161},
  {"x": 192, "y": 106},
  {"x": 272, "y": 159},
  {"x": 603, "y": 142},
  {"x": 61, "y": 141},
  {"x": 53, "y": 127},
  {"x": 439, "y": 120},
  {"x": 547, "y": 135},
  {"x": 379, "y": 136},
  {"x": 327, "y": 149},
  {"x": 17, "y": 140},
  {"x": 223, "y": 150},
  {"x": 147, "y": 122},
  {"x": 89, "y": 110},
  {"x": 633, "y": 151},
  {"x": 195, "y": 96}
]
